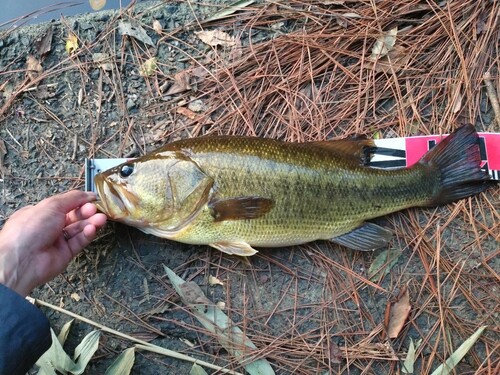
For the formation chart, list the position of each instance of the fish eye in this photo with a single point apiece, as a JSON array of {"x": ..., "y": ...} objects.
[{"x": 126, "y": 170}]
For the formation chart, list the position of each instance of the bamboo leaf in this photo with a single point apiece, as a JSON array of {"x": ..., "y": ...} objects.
[
  {"x": 383, "y": 263},
  {"x": 447, "y": 367},
  {"x": 63, "y": 335},
  {"x": 238, "y": 5},
  {"x": 197, "y": 370},
  {"x": 408, "y": 364},
  {"x": 85, "y": 350},
  {"x": 55, "y": 359},
  {"x": 213, "y": 319},
  {"x": 123, "y": 364}
]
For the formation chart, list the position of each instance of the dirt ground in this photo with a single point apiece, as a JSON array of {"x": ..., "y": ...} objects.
[{"x": 309, "y": 309}]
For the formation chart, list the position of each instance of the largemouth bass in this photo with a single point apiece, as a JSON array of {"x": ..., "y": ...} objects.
[{"x": 234, "y": 193}]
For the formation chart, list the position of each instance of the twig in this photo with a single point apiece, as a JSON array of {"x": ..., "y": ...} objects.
[
  {"x": 492, "y": 95},
  {"x": 140, "y": 343}
]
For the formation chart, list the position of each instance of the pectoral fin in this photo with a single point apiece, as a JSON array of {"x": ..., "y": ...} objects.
[
  {"x": 367, "y": 237},
  {"x": 240, "y": 248},
  {"x": 240, "y": 208}
]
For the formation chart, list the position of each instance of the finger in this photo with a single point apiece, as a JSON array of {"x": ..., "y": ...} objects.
[
  {"x": 81, "y": 213},
  {"x": 82, "y": 239},
  {"x": 69, "y": 201},
  {"x": 97, "y": 220}
]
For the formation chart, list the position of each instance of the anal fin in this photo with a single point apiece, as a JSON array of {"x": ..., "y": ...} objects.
[
  {"x": 240, "y": 248},
  {"x": 367, "y": 237}
]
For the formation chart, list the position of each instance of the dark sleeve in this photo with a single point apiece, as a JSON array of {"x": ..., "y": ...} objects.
[{"x": 24, "y": 333}]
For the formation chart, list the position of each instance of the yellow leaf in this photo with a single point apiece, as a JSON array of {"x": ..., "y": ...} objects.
[
  {"x": 148, "y": 67},
  {"x": 212, "y": 280},
  {"x": 71, "y": 43}
]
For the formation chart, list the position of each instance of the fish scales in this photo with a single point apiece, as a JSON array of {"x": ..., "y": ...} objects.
[
  {"x": 237, "y": 192},
  {"x": 317, "y": 195}
]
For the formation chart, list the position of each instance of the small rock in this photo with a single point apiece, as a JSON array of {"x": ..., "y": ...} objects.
[
  {"x": 130, "y": 103},
  {"x": 197, "y": 106}
]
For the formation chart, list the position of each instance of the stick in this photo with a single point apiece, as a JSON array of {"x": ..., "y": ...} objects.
[
  {"x": 492, "y": 95},
  {"x": 141, "y": 344}
]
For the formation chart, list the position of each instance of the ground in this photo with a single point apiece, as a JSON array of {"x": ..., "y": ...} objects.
[{"x": 296, "y": 71}]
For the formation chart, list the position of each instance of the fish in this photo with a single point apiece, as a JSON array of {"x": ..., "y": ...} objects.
[{"x": 236, "y": 193}]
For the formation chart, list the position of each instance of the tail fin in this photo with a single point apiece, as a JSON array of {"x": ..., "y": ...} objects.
[{"x": 458, "y": 160}]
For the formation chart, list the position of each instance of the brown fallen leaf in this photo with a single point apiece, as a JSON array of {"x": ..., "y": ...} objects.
[
  {"x": 384, "y": 44},
  {"x": 335, "y": 354},
  {"x": 103, "y": 60},
  {"x": 395, "y": 60},
  {"x": 181, "y": 83},
  {"x": 44, "y": 44},
  {"x": 186, "y": 112},
  {"x": 33, "y": 67},
  {"x": 216, "y": 38},
  {"x": 157, "y": 26},
  {"x": 399, "y": 313}
]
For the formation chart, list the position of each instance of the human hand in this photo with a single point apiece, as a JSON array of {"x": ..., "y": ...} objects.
[{"x": 38, "y": 242}]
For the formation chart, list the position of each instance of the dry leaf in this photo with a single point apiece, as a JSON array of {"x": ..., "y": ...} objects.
[
  {"x": 75, "y": 296},
  {"x": 80, "y": 97},
  {"x": 44, "y": 45},
  {"x": 33, "y": 67},
  {"x": 456, "y": 98},
  {"x": 186, "y": 112},
  {"x": 97, "y": 4},
  {"x": 216, "y": 38},
  {"x": 157, "y": 26},
  {"x": 136, "y": 31},
  {"x": 335, "y": 354},
  {"x": 148, "y": 67},
  {"x": 200, "y": 72},
  {"x": 181, "y": 83},
  {"x": 212, "y": 280},
  {"x": 384, "y": 44},
  {"x": 234, "y": 7},
  {"x": 221, "y": 305},
  {"x": 399, "y": 313},
  {"x": 103, "y": 60},
  {"x": 395, "y": 60},
  {"x": 229, "y": 335},
  {"x": 71, "y": 43}
]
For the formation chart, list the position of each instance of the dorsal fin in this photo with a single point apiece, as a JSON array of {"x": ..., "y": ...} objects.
[{"x": 359, "y": 149}]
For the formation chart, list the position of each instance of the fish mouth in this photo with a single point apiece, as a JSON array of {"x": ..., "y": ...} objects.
[{"x": 110, "y": 201}]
